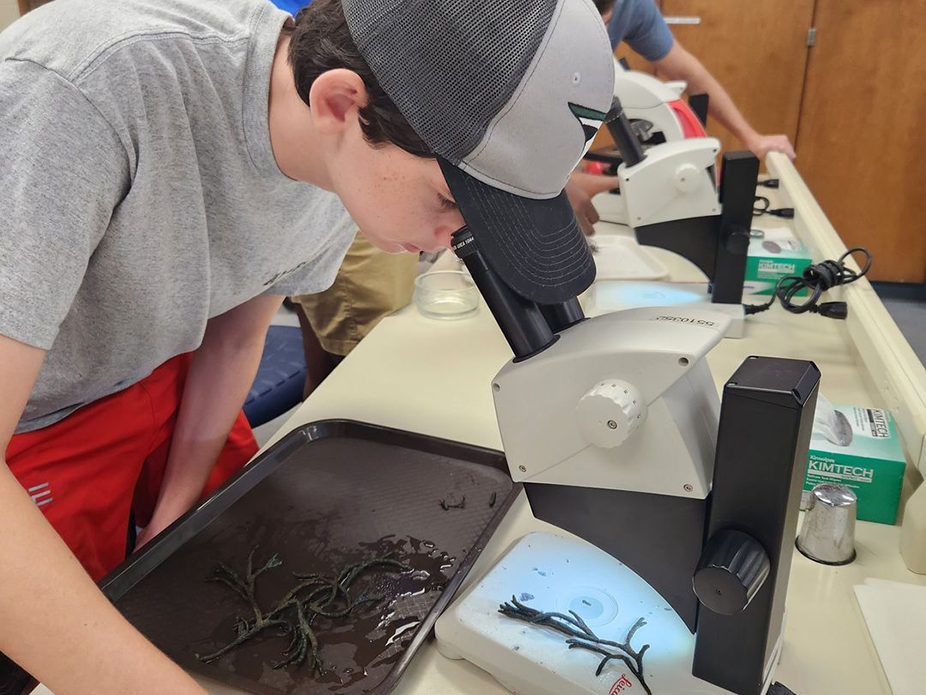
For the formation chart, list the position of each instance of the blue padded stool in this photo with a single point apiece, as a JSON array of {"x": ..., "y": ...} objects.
[{"x": 280, "y": 377}]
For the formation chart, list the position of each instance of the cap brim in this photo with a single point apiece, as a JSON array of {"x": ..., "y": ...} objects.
[{"x": 536, "y": 246}]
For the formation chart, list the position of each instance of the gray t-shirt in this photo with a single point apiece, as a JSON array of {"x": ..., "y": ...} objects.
[
  {"x": 642, "y": 26},
  {"x": 139, "y": 195}
]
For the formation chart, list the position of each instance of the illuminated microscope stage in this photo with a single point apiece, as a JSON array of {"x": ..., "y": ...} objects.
[
  {"x": 554, "y": 574},
  {"x": 607, "y": 296}
]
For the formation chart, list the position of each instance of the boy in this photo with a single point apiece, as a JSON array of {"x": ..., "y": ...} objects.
[{"x": 171, "y": 169}]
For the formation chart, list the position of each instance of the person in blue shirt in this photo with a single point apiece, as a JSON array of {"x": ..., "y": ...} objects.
[{"x": 640, "y": 24}]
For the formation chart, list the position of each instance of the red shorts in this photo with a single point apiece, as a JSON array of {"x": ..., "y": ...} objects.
[{"x": 107, "y": 459}]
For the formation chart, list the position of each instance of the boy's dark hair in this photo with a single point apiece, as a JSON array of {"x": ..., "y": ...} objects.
[
  {"x": 321, "y": 41},
  {"x": 603, "y": 5}
]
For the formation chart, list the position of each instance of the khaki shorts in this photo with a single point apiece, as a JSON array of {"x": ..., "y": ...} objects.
[{"x": 370, "y": 285}]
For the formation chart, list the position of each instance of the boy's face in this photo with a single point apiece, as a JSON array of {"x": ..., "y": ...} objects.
[{"x": 400, "y": 202}]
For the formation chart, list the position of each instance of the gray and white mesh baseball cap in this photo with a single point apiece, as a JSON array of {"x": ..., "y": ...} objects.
[{"x": 509, "y": 94}]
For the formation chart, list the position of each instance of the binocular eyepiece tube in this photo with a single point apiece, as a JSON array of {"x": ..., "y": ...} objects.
[{"x": 528, "y": 327}]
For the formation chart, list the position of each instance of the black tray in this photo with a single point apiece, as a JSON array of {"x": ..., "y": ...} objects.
[
  {"x": 374, "y": 485},
  {"x": 328, "y": 494}
]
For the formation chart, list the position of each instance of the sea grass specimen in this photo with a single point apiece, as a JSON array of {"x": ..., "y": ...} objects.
[
  {"x": 313, "y": 595},
  {"x": 581, "y": 636}
]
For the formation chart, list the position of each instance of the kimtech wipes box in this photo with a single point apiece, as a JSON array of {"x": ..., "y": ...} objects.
[
  {"x": 859, "y": 448},
  {"x": 771, "y": 257}
]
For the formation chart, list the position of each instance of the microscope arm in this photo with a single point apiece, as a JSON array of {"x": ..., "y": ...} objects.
[{"x": 672, "y": 203}]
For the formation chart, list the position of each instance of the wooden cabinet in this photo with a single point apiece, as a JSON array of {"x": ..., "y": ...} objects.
[
  {"x": 861, "y": 143},
  {"x": 26, "y": 5},
  {"x": 756, "y": 50}
]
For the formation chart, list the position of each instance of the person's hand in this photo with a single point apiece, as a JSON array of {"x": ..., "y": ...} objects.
[
  {"x": 761, "y": 145},
  {"x": 580, "y": 189},
  {"x": 151, "y": 530},
  {"x": 145, "y": 535},
  {"x": 165, "y": 513}
]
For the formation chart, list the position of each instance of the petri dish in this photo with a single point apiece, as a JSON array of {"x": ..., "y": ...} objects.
[{"x": 446, "y": 294}]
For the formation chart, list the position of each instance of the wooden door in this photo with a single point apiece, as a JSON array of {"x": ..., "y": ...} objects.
[
  {"x": 756, "y": 50},
  {"x": 862, "y": 139},
  {"x": 26, "y": 5}
]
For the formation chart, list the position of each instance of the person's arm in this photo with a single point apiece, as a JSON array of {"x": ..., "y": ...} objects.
[
  {"x": 221, "y": 373},
  {"x": 56, "y": 623},
  {"x": 679, "y": 64},
  {"x": 580, "y": 189}
]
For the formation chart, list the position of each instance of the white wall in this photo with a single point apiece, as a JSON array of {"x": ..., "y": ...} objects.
[{"x": 9, "y": 12}]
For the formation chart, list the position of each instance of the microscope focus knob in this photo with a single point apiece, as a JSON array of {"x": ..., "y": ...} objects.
[
  {"x": 737, "y": 241},
  {"x": 732, "y": 569},
  {"x": 610, "y": 412},
  {"x": 688, "y": 177}
]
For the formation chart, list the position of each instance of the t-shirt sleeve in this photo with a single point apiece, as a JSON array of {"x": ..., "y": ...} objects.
[
  {"x": 642, "y": 26},
  {"x": 63, "y": 171}
]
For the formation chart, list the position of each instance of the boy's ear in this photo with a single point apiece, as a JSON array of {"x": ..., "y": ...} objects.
[{"x": 335, "y": 98}]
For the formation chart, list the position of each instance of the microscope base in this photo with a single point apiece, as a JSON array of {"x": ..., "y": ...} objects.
[{"x": 552, "y": 573}]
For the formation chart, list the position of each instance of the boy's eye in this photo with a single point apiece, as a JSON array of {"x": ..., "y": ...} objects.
[{"x": 446, "y": 203}]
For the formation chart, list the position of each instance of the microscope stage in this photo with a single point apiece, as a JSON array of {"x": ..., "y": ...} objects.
[{"x": 554, "y": 574}]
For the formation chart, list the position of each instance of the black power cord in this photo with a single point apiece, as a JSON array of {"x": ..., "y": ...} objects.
[
  {"x": 762, "y": 206},
  {"x": 818, "y": 279}
]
